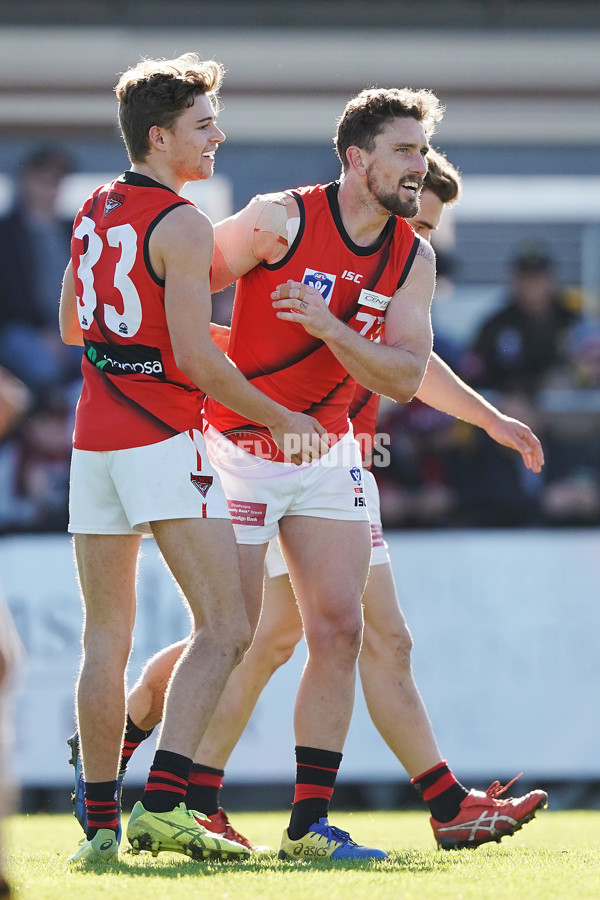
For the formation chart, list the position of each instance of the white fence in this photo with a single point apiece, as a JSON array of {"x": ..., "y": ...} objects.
[{"x": 507, "y": 634}]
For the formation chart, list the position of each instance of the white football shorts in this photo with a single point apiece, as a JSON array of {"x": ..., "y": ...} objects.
[
  {"x": 275, "y": 563},
  {"x": 261, "y": 492},
  {"x": 379, "y": 549},
  {"x": 122, "y": 491}
]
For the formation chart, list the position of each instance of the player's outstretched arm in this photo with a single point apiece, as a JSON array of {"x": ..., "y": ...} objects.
[{"x": 442, "y": 389}]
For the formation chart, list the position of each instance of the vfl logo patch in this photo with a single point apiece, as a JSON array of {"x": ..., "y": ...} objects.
[
  {"x": 375, "y": 301},
  {"x": 322, "y": 281},
  {"x": 113, "y": 201},
  {"x": 356, "y": 474},
  {"x": 202, "y": 483}
]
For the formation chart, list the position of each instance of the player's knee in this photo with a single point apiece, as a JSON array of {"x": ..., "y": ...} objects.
[
  {"x": 394, "y": 644},
  {"x": 274, "y": 642},
  {"x": 236, "y": 641},
  {"x": 337, "y": 634},
  {"x": 283, "y": 647}
]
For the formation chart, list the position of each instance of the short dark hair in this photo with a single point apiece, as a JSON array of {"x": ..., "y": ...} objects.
[
  {"x": 157, "y": 91},
  {"x": 47, "y": 158},
  {"x": 442, "y": 178},
  {"x": 531, "y": 258},
  {"x": 367, "y": 114}
]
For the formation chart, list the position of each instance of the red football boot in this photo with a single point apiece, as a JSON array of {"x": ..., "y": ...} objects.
[
  {"x": 482, "y": 817},
  {"x": 219, "y": 823}
]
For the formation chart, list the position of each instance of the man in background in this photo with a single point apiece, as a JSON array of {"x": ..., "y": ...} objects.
[{"x": 34, "y": 250}]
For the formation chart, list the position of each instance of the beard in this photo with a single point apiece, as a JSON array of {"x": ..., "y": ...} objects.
[{"x": 391, "y": 202}]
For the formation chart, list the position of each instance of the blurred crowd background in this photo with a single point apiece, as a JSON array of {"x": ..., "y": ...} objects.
[{"x": 516, "y": 312}]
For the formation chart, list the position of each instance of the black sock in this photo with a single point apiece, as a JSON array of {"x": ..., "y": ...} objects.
[
  {"x": 203, "y": 789},
  {"x": 101, "y": 807},
  {"x": 131, "y": 741},
  {"x": 316, "y": 771},
  {"x": 167, "y": 781},
  {"x": 441, "y": 791}
]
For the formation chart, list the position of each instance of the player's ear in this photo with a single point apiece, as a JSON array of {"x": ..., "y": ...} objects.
[
  {"x": 155, "y": 136},
  {"x": 356, "y": 161}
]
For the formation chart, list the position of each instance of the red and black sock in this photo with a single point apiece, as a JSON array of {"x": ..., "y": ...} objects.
[
  {"x": 203, "y": 789},
  {"x": 316, "y": 771},
  {"x": 167, "y": 782},
  {"x": 101, "y": 806},
  {"x": 441, "y": 791},
  {"x": 131, "y": 741}
]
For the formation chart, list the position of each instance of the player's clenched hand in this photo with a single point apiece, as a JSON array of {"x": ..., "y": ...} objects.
[
  {"x": 514, "y": 434},
  {"x": 301, "y": 303},
  {"x": 300, "y": 437}
]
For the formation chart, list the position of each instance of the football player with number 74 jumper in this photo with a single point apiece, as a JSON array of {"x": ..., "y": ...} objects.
[{"x": 319, "y": 269}]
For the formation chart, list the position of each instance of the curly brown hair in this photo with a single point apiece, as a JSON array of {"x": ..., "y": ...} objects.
[
  {"x": 157, "y": 91},
  {"x": 367, "y": 114}
]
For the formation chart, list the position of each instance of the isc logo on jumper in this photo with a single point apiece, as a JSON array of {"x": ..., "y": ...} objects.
[
  {"x": 322, "y": 281},
  {"x": 356, "y": 277}
]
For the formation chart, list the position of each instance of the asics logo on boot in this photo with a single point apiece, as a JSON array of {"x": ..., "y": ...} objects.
[
  {"x": 106, "y": 845},
  {"x": 301, "y": 850}
]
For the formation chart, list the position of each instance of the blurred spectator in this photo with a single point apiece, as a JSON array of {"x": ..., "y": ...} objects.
[
  {"x": 572, "y": 404},
  {"x": 581, "y": 368},
  {"x": 518, "y": 346},
  {"x": 34, "y": 251},
  {"x": 15, "y": 400},
  {"x": 34, "y": 468}
]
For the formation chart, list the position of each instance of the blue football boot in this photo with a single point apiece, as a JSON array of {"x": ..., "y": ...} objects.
[
  {"x": 325, "y": 841},
  {"x": 78, "y": 795}
]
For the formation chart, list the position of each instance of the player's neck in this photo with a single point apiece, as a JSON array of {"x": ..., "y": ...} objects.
[
  {"x": 161, "y": 174},
  {"x": 363, "y": 221}
]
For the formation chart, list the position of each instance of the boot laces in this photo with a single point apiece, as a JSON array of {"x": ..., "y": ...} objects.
[
  {"x": 335, "y": 834},
  {"x": 495, "y": 788}
]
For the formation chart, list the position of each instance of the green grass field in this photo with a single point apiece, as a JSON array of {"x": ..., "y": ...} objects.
[{"x": 556, "y": 856}]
